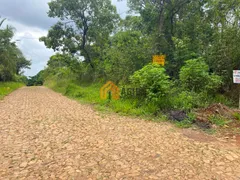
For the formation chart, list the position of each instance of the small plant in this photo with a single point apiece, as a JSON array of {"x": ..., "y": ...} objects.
[
  {"x": 219, "y": 120},
  {"x": 188, "y": 122},
  {"x": 210, "y": 131},
  {"x": 184, "y": 124},
  {"x": 237, "y": 116}
]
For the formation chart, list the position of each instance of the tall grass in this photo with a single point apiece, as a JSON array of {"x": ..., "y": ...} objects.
[{"x": 8, "y": 87}]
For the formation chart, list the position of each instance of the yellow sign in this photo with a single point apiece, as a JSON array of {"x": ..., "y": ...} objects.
[
  {"x": 159, "y": 59},
  {"x": 110, "y": 87}
]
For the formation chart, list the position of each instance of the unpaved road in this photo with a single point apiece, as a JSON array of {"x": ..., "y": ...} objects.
[{"x": 44, "y": 135}]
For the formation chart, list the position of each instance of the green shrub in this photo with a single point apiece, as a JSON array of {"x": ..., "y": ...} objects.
[
  {"x": 188, "y": 122},
  {"x": 183, "y": 100},
  {"x": 153, "y": 79},
  {"x": 195, "y": 76},
  {"x": 187, "y": 100},
  {"x": 237, "y": 116},
  {"x": 73, "y": 90}
]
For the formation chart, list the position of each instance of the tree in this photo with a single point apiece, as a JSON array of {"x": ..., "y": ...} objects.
[
  {"x": 12, "y": 61},
  {"x": 82, "y": 24},
  {"x": 160, "y": 19},
  {"x": 159, "y": 16},
  {"x": 129, "y": 52},
  {"x": 195, "y": 76},
  {"x": 61, "y": 60},
  {"x": 21, "y": 61},
  {"x": 223, "y": 53},
  {"x": 132, "y": 23}
]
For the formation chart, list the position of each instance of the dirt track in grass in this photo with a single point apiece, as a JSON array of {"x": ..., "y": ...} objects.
[{"x": 44, "y": 135}]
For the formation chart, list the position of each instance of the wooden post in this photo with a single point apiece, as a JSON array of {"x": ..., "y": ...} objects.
[
  {"x": 110, "y": 95},
  {"x": 239, "y": 97}
]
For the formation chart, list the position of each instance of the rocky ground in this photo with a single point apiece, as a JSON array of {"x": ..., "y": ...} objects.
[{"x": 44, "y": 135}]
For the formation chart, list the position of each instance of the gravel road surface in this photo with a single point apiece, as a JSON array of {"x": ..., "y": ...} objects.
[{"x": 44, "y": 135}]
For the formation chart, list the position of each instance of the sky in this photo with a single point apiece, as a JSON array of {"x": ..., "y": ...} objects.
[{"x": 30, "y": 20}]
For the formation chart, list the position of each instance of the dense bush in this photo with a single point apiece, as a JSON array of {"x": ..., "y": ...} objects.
[
  {"x": 182, "y": 100},
  {"x": 153, "y": 79},
  {"x": 195, "y": 76}
]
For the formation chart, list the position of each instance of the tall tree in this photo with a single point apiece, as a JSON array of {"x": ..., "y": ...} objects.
[
  {"x": 12, "y": 61},
  {"x": 82, "y": 23},
  {"x": 160, "y": 18}
]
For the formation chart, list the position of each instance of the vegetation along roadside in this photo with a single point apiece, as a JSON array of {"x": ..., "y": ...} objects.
[
  {"x": 195, "y": 79},
  {"x": 8, "y": 87}
]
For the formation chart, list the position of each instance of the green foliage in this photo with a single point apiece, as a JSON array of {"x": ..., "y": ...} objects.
[
  {"x": 12, "y": 61},
  {"x": 90, "y": 94},
  {"x": 219, "y": 120},
  {"x": 8, "y": 87},
  {"x": 21, "y": 79},
  {"x": 187, "y": 100},
  {"x": 153, "y": 79},
  {"x": 73, "y": 90},
  {"x": 129, "y": 52},
  {"x": 95, "y": 47},
  {"x": 81, "y": 23},
  {"x": 37, "y": 80},
  {"x": 131, "y": 23},
  {"x": 184, "y": 124},
  {"x": 183, "y": 100},
  {"x": 237, "y": 116},
  {"x": 195, "y": 76},
  {"x": 180, "y": 29},
  {"x": 188, "y": 122},
  {"x": 224, "y": 58}
]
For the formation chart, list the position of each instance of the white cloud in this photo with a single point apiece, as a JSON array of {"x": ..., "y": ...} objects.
[
  {"x": 29, "y": 12},
  {"x": 27, "y": 39}
]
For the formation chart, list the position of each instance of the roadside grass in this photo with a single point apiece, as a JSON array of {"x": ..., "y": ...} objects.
[
  {"x": 219, "y": 120},
  {"x": 8, "y": 87},
  {"x": 90, "y": 94},
  {"x": 188, "y": 122},
  {"x": 210, "y": 131}
]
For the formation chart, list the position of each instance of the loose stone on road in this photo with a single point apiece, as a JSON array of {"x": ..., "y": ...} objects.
[{"x": 44, "y": 135}]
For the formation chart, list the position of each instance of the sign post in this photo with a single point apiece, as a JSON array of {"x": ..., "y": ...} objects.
[
  {"x": 236, "y": 80},
  {"x": 159, "y": 59}
]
